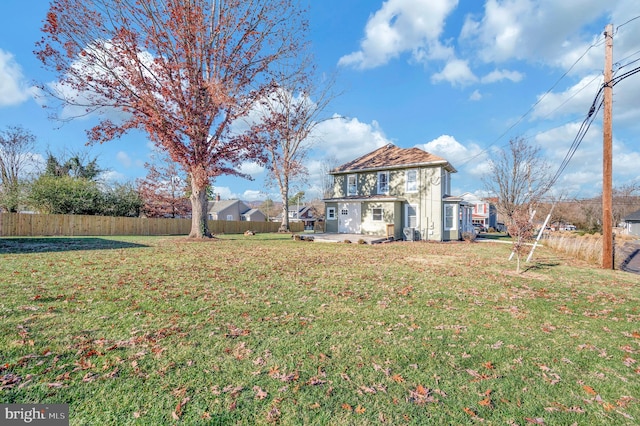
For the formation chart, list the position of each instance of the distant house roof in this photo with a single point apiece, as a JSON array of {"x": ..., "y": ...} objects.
[
  {"x": 390, "y": 156},
  {"x": 633, "y": 217},
  {"x": 218, "y": 206}
]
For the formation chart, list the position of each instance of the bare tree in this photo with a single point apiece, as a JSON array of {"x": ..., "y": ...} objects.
[
  {"x": 287, "y": 117},
  {"x": 328, "y": 164},
  {"x": 16, "y": 155},
  {"x": 182, "y": 71},
  {"x": 518, "y": 176}
]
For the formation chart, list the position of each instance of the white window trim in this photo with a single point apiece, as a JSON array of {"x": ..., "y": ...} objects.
[
  {"x": 331, "y": 213},
  {"x": 386, "y": 174},
  {"x": 373, "y": 215},
  {"x": 406, "y": 177},
  {"x": 453, "y": 226},
  {"x": 229, "y": 217},
  {"x": 355, "y": 178}
]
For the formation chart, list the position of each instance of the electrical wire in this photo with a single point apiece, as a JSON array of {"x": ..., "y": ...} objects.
[{"x": 522, "y": 117}]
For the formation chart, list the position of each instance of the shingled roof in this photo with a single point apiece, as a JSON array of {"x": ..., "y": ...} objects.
[
  {"x": 633, "y": 217},
  {"x": 390, "y": 156}
]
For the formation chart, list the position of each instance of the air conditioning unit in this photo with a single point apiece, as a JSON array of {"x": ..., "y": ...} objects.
[{"x": 409, "y": 234}]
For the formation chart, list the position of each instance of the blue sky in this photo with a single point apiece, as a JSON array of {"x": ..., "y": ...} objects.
[{"x": 456, "y": 78}]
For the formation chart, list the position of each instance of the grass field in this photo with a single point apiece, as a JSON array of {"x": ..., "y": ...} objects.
[{"x": 266, "y": 330}]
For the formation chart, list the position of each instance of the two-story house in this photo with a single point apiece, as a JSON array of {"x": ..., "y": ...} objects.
[
  {"x": 397, "y": 192},
  {"x": 484, "y": 210}
]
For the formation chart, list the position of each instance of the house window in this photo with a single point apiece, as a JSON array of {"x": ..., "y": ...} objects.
[
  {"x": 229, "y": 217},
  {"x": 352, "y": 185},
  {"x": 383, "y": 182},
  {"x": 411, "y": 177},
  {"x": 412, "y": 217},
  {"x": 449, "y": 223},
  {"x": 344, "y": 212},
  {"x": 446, "y": 182},
  {"x": 377, "y": 214},
  {"x": 331, "y": 213}
]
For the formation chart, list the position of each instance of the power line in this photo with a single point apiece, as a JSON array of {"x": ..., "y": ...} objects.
[{"x": 522, "y": 117}]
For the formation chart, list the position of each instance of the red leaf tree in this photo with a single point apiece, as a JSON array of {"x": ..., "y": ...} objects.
[
  {"x": 183, "y": 71},
  {"x": 164, "y": 190}
]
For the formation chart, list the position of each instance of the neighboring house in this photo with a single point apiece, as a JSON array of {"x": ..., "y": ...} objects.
[
  {"x": 632, "y": 224},
  {"x": 302, "y": 214},
  {"x": 233, "y": 210},
  {"x": 484, "y": 210},
  {"x": 397, "y": 192}
]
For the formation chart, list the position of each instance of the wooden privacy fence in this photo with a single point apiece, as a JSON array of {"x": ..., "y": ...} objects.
[{"x": 29, "y": 225}]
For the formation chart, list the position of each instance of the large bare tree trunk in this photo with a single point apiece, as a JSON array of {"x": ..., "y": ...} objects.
[{"x": 199, "y": 205}]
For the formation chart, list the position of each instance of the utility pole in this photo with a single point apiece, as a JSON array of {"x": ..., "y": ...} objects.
[{"x": 607, "y": 217}]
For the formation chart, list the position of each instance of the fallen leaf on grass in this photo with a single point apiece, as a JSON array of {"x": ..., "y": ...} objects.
[
  {"x": 360, "y": 410},
  {"x": 178, "y": 411},
  {"x": 535, "y": 421},
  {"x": 397, "y": 378},
  {"x": 260, "y": 393},
  {"x": 346, "y": 407},
  {"x": 485, "y": 402},
  {"x": 589, "y": 390}
]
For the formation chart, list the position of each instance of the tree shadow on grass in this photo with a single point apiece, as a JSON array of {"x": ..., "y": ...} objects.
[
  {"x": 58, "y": 244},
  {"x": 541, "y": 265}
]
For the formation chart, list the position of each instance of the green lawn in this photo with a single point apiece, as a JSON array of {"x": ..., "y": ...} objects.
[{"x": 266, "y": 330}]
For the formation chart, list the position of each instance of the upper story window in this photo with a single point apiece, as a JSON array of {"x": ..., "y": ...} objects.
[
  {"x": 411, "y": 177},
  {"x": 352, "y": 185},
  {"x": 383, "y": 182},
  {"x": 446, "y": 182}
]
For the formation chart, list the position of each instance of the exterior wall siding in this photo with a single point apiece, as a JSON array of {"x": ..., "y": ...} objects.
[{"x": 433, "y": 184}]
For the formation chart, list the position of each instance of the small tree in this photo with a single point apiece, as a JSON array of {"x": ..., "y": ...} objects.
[
  {"x": 287, "y": 117},
  {"x": 16, "y": 155},
  {"x": 517, "y": 176},
  {"x": 521, "y": 230},
  {"x": 164, "y": 190}
]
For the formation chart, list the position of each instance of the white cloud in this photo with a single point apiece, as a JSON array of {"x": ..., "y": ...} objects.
[
  {"x": 13, "y": 90},
  {"x": 456, "y": 72},
  {"x": 576, "y": 99},
  {"x": 450, "y": 149},
  {"x": 475, "y": 96},
  {"x": 401, "y": 26},
  {"x": 253, "y": 195},
  {"x": 499, "y": 75},
  {"x": 345, "y": 139},
  {"x": 251, "y": 168},
  {"x": 111, "y": 176},
  {"x": 124, "y": 159},
  {"x": 535, "y": 31}
]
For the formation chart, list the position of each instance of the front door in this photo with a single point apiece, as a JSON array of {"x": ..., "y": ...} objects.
[{"x": 349, "y": 218}]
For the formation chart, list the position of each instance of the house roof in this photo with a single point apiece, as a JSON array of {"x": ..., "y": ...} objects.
[
  {"x": 390, "y": 157},
  {"x": 251, "y": 212},
  {"x": 218, "y": 206},
  {"x": 633, "y": 217}
]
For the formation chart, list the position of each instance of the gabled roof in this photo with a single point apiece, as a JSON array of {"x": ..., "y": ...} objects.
[
  {"x": 251, "y": 212},
  {"x": 633, "y": 217},
  {"x": 218, "y": 206},
  {"x": 392, "y": 157}
]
